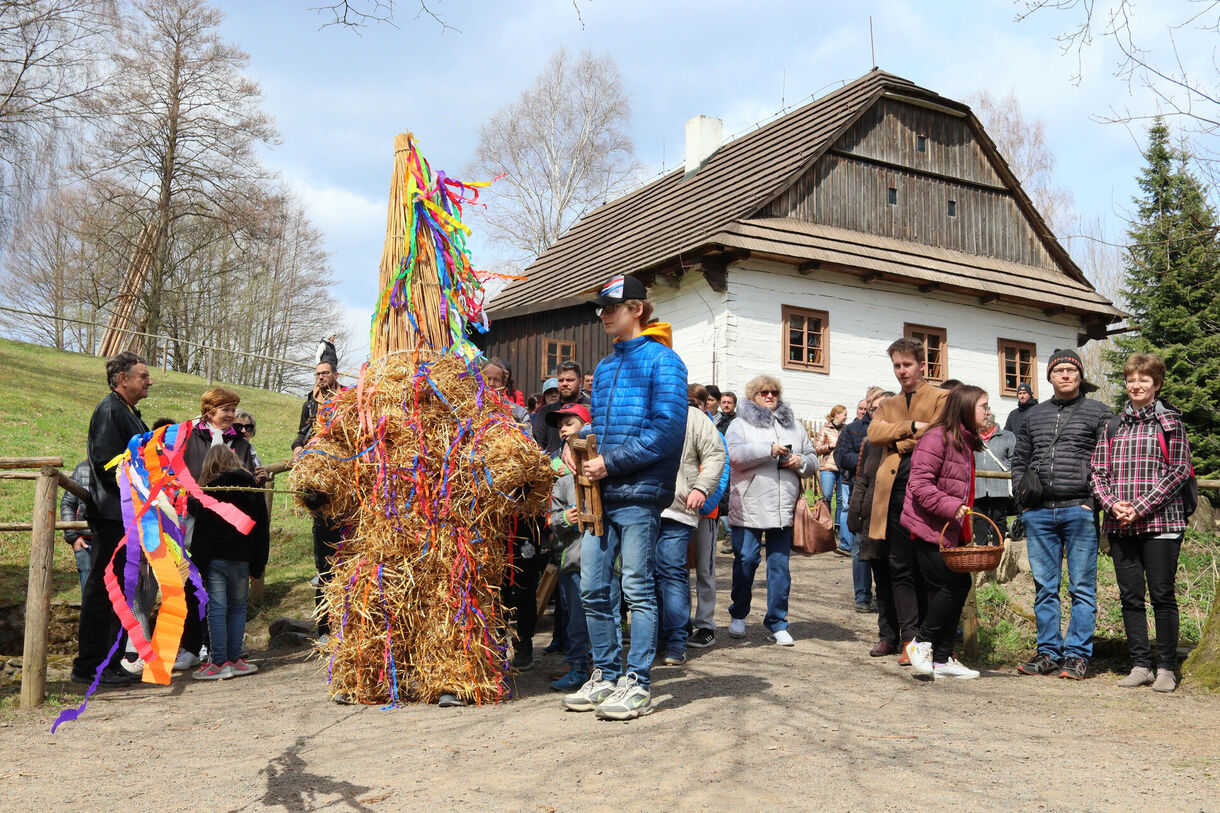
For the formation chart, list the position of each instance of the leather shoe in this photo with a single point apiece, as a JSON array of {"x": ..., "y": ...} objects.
[{"x": 882, "y": 649}]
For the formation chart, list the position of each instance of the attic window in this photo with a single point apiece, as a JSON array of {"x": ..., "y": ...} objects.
[
  {"x": 952, "y": 208},
  {"x": 921, "y": 143},
  {"x": 893, "y": 196}
]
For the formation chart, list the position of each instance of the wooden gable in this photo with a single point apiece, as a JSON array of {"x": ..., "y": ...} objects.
[{"x": 911, "y": 172}]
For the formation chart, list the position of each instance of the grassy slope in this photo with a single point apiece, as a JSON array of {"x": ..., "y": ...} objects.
[{"x": 46, "y": 398}]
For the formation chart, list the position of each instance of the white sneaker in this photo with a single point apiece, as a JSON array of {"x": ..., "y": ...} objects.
[
  {"x": 953, "y": 669},
  {"x": 782, "y": 638},
  {"x": 737, "y": 628},
  {"x": 203, "y": 653},
  {"x": 587, "y": 697},
  {"x": 134, "y": 668},
  {"x": 186, "y": 660},
  {"x": 920, "y": 655},
  {"x": 630, "y": 700}
]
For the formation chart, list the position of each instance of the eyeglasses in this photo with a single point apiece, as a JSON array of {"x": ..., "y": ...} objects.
[
  {"x": 766, "y": 393},
  {"x": 606, "y": 310},
  {"x": 874, "y": 409}
]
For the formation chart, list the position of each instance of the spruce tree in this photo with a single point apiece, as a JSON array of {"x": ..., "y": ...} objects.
[{"x": 1172, "y": 292}]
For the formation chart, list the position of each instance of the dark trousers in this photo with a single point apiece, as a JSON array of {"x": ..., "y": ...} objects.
[
  {"x": 99, "y": 626},
  {"x": 906, "y": 581},
  {"x": 1140, "y": 560},
  {"x": 193, "y": 628},
  {"x": 947, "y": 592},
  {"x": 326, "y": 537},
  {"x": 887, "y": 614},
  {"x": 521, "y": 591},
  {"x": 996, "y": 510}
]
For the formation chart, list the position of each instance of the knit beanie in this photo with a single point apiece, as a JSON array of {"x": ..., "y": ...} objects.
[{"x": 1069, "y": 357}]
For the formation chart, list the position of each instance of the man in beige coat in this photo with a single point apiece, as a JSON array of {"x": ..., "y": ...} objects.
[{"x": 897, "y": 427}]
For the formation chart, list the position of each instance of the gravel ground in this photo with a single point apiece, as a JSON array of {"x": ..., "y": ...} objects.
[{"x": 816, "y": 726}]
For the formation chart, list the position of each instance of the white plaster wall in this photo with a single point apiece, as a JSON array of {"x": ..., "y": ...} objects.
[{"x": 745, "y": 336}]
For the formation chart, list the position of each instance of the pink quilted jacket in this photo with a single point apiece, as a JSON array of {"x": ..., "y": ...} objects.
[{"x": 942, "y": 481}]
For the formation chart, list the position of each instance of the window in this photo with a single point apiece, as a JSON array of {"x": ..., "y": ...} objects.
[
  {"x": 921, "y": 143},
  {"x": 935, "y": 343},
  {"x": 554, "y": 352},
  {"x": 893, "y": 196},
  {"x": 806, "y": 340},
  {"x": 952, "y": 208},
  {"x": 1018, "y": 365}
]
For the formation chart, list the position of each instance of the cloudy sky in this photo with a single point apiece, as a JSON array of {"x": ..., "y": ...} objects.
[{"x": 339, "y": 96}]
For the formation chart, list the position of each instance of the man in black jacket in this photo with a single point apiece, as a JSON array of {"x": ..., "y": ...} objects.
[
  {"x": 568, "y": 378},
  {"x": 847, "y": 459},
  {"x": 1025, "y": 401},
  {"x": 1056, "y": 443},
  {"x": 114, "y": 422}
]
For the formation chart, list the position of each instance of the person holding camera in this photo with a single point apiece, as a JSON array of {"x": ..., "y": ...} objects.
[{"x": 769, "y": 454}]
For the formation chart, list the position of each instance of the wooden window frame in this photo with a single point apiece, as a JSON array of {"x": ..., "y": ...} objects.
[
  {"x": 563, "y": 350},
  {"x": 786, "y": 314},
  {"x": 909, "y": 329},
  {"x": 1018, "y": 346}
]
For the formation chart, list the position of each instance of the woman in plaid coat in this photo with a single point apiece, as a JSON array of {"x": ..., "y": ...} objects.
[{"x": 1139, "y": 470}]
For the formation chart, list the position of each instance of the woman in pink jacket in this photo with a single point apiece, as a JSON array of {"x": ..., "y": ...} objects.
[{"x": 941, "y": 490}]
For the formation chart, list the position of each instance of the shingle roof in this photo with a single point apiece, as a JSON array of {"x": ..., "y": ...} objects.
[{"x": 675, "y": 215}]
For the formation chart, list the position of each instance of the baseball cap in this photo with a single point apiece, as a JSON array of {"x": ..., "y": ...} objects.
[
  {"x": 620, "y": 289},
  {"x": 556, "y": 415},
  {"x": 550, "y": 384}
]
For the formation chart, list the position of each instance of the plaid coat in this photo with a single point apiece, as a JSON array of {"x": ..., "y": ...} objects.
[{"x": 1129, "y": 465}]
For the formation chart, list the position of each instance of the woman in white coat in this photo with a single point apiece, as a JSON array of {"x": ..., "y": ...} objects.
[{"x": 769, "y": 453}]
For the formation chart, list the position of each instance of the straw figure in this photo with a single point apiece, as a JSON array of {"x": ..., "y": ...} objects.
[{"x": 426, "y": 468}]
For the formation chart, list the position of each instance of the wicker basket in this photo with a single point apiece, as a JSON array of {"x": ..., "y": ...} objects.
[{"x": 973, "y": 558}]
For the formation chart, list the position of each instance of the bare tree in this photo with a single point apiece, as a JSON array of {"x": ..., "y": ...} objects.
[
  {"x": 181, "y": 125},
  {"x": 1022, "y": 143},
  {"x": 562, "y": 149}
]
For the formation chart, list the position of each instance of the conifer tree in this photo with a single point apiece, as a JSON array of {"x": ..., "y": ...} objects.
[{"x": 1172, "y": 292}]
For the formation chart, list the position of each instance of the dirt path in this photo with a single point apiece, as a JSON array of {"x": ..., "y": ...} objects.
[{"x": 820, "y": 725}]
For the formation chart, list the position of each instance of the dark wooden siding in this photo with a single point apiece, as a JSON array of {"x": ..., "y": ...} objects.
[
  {"x": 849, "y": 187},
  {"x": 519, "y": 341}
]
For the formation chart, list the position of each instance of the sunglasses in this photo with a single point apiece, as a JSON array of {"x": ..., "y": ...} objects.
[
  {"x": 606, "y": 310},
  {"x": 243, "y": 427},
  {"x": 765, "y": 393}
]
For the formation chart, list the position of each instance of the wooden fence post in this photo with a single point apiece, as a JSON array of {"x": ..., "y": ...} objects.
[{"x": 38, "y": 592}]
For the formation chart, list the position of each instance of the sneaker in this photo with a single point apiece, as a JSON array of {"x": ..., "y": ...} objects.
[
  {"x": 588, "y": 696},
  {"x": 203, "y": 653},
  {"x": 569, "y": 682},
  {"x": 1042, "y": 664},
  {"x": 212, "y": 671},
  {"x": 109, "y": 677},
  {"x": 1139, "y": 676},
  {"x": 523, "y": 659},
  {"x": 782, "y": 638},
  {"x": 701, "y": 638},
  {"x": 953, "y": 669},
  {"x": 864, "y": 607},
  {"x": 1166, "y": 681},
  {"x": 449, "y": 700},
  {"x": 629, "y": 700},
  {"x": 552, "y": 648},
  {"x": 919, "y": 653},
  {"x": 675, "y": 658},
  {"x": 135, "y": 668},
  {"x": 1074, "y": 668},
  {"x": 186, "y": 660},
  {"x": 241, "y": 667},
  {"x": 903, "y": 658},
  {"x": 737, "y": 628}
]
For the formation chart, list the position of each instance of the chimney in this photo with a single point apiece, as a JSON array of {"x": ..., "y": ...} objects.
[{"x": 703, "y": 135}]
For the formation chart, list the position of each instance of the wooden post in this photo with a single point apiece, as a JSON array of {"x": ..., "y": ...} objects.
[
  {"x": 970, "y": 620},
  {"x": 38, "y": 591}
]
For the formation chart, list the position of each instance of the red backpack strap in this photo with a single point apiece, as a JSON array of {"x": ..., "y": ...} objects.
[{"x": 1160, "y": 436}]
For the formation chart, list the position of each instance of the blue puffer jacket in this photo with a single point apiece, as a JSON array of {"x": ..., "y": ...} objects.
[{"x": 639, "y": 417}]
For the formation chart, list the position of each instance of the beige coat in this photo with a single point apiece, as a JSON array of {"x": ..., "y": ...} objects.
[
  {"x": 891, "y": 429},
  {"x": 704, "y": 457}
]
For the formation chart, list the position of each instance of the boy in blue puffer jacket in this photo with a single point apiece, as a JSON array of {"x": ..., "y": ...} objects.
[{"x": 639, "y": 418}]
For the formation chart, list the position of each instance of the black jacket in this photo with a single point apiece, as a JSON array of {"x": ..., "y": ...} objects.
[
  {"x": 215, "y": 538},
  {"x": 860, "y": 508},
  {"x": 71, "y": 507},
  {"x": 547, "y": 437},
  {"x": 200, "y": 441},
  {"x": 309, "y": 414},
  {"x": 1016, "y": 418},
  {"x": 847, "y": 450},
  {"x": 722, "y": 422},
  {"x": 112, "y": 426},
  {"x": 1065, "y": 471}
]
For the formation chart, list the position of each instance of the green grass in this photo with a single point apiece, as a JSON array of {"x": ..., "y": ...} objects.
[{"x": 46, "y": 399}]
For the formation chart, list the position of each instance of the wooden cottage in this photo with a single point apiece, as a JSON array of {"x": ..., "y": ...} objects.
[{"x": 805, "y": 247}]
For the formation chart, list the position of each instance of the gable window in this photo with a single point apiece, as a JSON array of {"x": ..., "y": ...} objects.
[
  {"x": 935, "y": 343},
  {"x": 892, "y": 196},
  {"x": 1018, "y": 365},
  {"x": 952, "y": 208},
  {"x": 554, "y": 353},
  {"x": 921, "y": 143},
  {"x": 806, "y": 339}
]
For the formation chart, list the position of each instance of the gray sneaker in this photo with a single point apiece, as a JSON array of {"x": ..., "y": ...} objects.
[
  {"x": 630, "y": 700},
  {"x": 588, "y": 696}
]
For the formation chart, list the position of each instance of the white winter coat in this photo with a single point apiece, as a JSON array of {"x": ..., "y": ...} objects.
[{"x": 762, "y": 495}]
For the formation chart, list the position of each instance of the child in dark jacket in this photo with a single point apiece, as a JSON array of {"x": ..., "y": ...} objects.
[
  {"x": 227, "y": 558},
  {"x": 939, "y": 495}
]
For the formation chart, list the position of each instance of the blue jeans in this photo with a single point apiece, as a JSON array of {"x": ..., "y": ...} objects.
[
  {"x": 861, "y": 572},
  {"x": 576, "y": 655},
  {"x": 228, "y": 588},
  {"x": 631, "y": 532},
  {"x": 673, "y": 585},
  {"x": 1055, "y": 534},
  {"x": 83, "y": 566},
  {"x": 747, "y": 554}
]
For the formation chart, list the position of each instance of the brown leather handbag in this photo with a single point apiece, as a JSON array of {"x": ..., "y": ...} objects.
[{"x": 813, "y": 529}]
